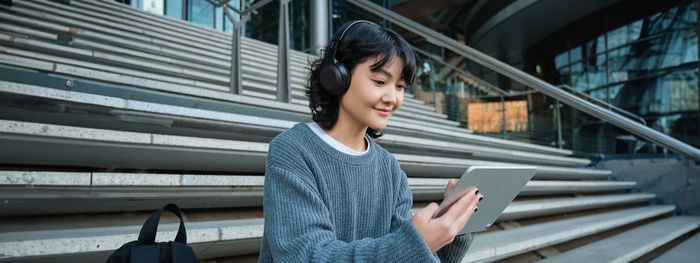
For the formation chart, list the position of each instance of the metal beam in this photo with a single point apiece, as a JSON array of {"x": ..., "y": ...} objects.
[
  {"x": 319, "y": 25},
  {"x": 236, "y": 82},
  {"x": 284, "y": 87}
]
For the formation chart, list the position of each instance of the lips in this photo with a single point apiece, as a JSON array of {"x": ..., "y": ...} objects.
[{"x": 383, "y": 112}]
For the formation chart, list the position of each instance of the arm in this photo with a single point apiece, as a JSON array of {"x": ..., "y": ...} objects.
[
  {"x": 438, "y": 231},
  {"x": 455, "y": 251},
  {"x": 298, "y": 227}
]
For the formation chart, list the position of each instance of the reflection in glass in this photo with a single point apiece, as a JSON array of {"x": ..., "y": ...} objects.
[{"x": 200, "y": 12}]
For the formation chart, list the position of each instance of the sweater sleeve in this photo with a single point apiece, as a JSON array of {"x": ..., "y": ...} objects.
[
  {"x": 299, "y": 229},
  {"x": 455, "y": 251}
]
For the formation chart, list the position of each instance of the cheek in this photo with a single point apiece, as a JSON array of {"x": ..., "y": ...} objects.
[
  {"x": 399, "y": 102},
  {"x": 367, "y": 94}
]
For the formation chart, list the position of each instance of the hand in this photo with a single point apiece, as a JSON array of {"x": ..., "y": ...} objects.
[
  {"x": 451, "y": 184},
  {"x": 438, "y": 232}
]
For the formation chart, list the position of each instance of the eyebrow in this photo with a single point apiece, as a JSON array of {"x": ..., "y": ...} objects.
[{"x": 382, "y": 71}]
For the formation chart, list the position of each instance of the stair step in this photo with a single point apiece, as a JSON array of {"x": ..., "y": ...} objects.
[
  {"x": 685, "y": 252},
  {"x": 93, "y": 243},
  {"x": 126, "y": 73},
  {"x": 42, "y": 143},
  {"x": 444, "y": 167},
  {"x": 152, "y": 63},
  {"x": 631, "y": 244},
  {"x": 496, "y": 245},
  {"x": 405, "y": 142},
  {"x": 153, "y": 112},
  {"x": 237, "y": 237},
  {"x": 130, "y": 13},
  {"x": 50, "y": 192},
  {"x": 135, "y": 41},
  {"x": 536, "y": 187},
  {"x": 529, "y": 209},
  {"x": 125, "y": 26},
  {"x": 151, "y": 80},
  {"x": 545, "y": 207}
]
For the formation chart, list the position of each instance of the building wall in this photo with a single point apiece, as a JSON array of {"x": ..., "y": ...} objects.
[{"x": 674, "y": 181}]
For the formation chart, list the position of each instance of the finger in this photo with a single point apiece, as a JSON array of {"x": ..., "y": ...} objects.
[
  {"x": 460, "y": 207},
  {"x": 471, "y": 210},
  {"x": 427, "y": 212},
  {"x": 450, "y": 185}
]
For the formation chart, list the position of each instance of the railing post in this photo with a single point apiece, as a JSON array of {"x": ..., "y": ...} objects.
[
  {"x": 557, "y": 110},
  {"x": 284, "y": 88},
  {"x": 432, "y": 86},
  {"x": 236, "y": 74}
]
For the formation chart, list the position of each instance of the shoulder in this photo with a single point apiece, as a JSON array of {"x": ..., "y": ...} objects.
[
  {"x": 387, "y": 160},
  {"x": 382, "y": 154},
  {"x": 290, "y": 144},
  {"x": 292, "y": 138}
]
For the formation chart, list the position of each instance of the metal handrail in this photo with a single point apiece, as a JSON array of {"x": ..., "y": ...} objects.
[
  {"x": 455, "y": 68},
  {"x": 225, "y": 3},
  {"x": 530, "y": 81},
  {"x": 605, "y": 104},
  {"x": 284, "y": 86}
]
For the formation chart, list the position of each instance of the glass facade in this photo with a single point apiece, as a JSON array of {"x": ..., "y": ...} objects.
[{"x": 647, "y": 65}]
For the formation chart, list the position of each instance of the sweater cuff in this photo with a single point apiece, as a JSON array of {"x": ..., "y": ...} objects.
[
  {"x": 455, "y": 251},
  {"x": 419, "y": 250}
]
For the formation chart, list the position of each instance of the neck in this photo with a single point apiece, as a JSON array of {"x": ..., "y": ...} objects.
[{"x": 349, "y": 133}]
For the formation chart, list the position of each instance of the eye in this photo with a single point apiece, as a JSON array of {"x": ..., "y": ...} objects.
[
  {"x": 379, "y": 82},
  {"x": 401, "y": 86}
]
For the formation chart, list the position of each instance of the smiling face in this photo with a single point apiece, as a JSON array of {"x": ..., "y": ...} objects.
[{"x": 374, "y": 94}]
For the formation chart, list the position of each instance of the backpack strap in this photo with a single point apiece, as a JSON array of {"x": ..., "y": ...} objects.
[{"x": 150, "y": 227}]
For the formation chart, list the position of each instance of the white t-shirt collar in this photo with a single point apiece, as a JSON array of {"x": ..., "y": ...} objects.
[{"x": 333, "y": 142}]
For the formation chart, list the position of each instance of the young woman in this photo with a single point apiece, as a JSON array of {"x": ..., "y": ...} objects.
[{"x": 334, "y": 195}]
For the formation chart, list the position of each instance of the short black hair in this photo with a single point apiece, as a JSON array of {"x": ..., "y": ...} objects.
[{"x": 361, "y": 42}]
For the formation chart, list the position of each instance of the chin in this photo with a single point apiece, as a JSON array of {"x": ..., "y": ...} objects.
[{"x": 378, "y": 126}]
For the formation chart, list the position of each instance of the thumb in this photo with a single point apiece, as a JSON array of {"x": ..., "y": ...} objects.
[{"x": 428, "y": 211}]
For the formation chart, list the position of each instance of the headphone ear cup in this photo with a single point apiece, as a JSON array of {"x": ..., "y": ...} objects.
[
  {"x": 344, "y": 82},
  {"x": 334, "y": 78}
]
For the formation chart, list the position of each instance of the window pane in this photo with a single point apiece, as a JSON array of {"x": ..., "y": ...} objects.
[
  {"x": 596, "y": 71},
  {"x": 617, "y": 37},
  {"x": 576, "y": 54},
  {"x": 578, "y": 78},
  {"x": 200, "y": 12},
  {"x": 173, "y": 8},
  {"x": 561, "y": 60}
]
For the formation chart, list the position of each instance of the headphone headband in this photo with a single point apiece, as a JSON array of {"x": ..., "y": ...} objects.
[
  {"x": 335, "y": 43},
  {"x": 335, "y": 77}
]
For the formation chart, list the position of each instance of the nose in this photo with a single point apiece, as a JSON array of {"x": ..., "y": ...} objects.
[{"x": 390, "y": 97}]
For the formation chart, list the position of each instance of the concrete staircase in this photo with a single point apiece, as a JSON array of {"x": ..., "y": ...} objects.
[{"x": 108, "y": 112}]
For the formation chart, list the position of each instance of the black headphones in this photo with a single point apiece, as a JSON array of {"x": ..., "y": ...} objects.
[{"x": 335, "y": 77}]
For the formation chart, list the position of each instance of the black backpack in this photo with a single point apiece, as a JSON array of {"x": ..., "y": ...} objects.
[{"x": 146, "y": 250}]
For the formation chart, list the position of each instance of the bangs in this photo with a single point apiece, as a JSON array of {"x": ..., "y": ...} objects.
[
  {"x": 368, "y": 41},
  {"x": 396, "y": 47}
]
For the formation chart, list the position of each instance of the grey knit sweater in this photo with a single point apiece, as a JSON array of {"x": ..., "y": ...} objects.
[{"x": 322, "y": 205}]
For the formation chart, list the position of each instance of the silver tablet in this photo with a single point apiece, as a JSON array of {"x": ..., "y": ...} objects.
[{"x": 499, "y": 185}]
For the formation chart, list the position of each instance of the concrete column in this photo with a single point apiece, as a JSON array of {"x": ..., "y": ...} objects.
[{"x": 319, "y": 25}]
